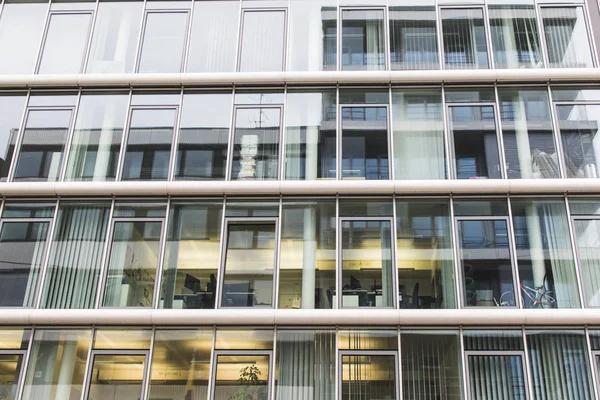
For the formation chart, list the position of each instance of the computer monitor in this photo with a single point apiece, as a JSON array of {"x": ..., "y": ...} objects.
[
  {"x": 192, "y": 283},
  {"x": 354, "y": 283}
]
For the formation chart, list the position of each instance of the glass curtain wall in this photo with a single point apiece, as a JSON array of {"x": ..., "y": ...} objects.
[
  {"x": 424, "y": 254},
  {"x": 11, "y": 112},
  {"x": 567, "y": 41},
  {"x": 413, "y": 37},
  {"x": 464, "y": 38},
  {"x": 363, "y": 39}
]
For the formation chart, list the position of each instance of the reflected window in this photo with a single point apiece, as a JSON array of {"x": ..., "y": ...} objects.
[
  {"x": 515, "y": 37},
  {"x": 115, "y": 37},
  {"x": 163, "y": 41},
  {"x": 578, "y": 125},
  {"x": 464, "y": 38},
  {"x": 363, "y": 40},
  {"x": 413, "y": 38},
  {"x": 262, "y": 45},
  {"x": 65, "y": 43},
  {"x": 249, "y": 264},
  {"x": 13, "y": 348},
  {"x": 23, "y": 236},
  {"x": 243, "y": 376},
  {"x": 567, "y": 42},
  {"x": 11, "y": 112}
]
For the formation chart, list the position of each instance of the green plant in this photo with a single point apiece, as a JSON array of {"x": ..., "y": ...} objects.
[{"x": 250, "y": 386}]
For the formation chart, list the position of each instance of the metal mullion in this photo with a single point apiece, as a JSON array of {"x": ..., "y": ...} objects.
[
  {"x": 590, "y": 33},
  {"x": 161, "y": 255},
  {"x": 88, "y": 365},
  {"x": 494, "y": 353},
  {"x": 447, "y": 145},
  {"x": 338, "y": 131},
  {"x": 38, "y": 60},
  {"x": 222, "y": 253},
  {"x": 238, "y": 48},
  {"x": 439, "y": 34},
  {"x": 338, "y": 256},
  {"x": 500, "y": 134},
  {"x": 592, "y": 354},
  {"x": 556, "y": 135},
  {"x": 188, "y": 39},
  {"x": 575, "y": 250},
  {"x": 21, "y": 382},
  {"x": 399, "y": 364},
  {"x": 576, "y": 102},
  {"x": 147, "y": 378},
  {"x": 230, "y": 144},
  {"x": 124, "y": 139},
  {"x": 457, "y": 267},
  {"x": 387, "y": 39},
  {"x": 482, "y": 218},
  {"x": 105, "y": 258},
  {"x": 488, "y": 39},
  {"x": 69, "y": 138},
  {"x": 390, "y": 126},
  {"x": 272, "y": 366},
  {"x": 138, "y": 58},
  {"x": 282, "y": 138},
  {"x": 175, "y": 139},
  {"x": 18, "y": 139},
  {"x": 339, "y": 31},
  {"x": 44, "y": 266},
  {"x": 277, "y": 266},
  {"x": 90, "y": 37},
  {"x": 212, "y": 365},
  {"x": 529, "y": 382},
  {"x": 286, "y": 25},
  {"x": 463, "y": 357},
  {"x": 541, "y": 34},
  {"x": 512, "y": 241},
  {"x": 395, "y": 272}
]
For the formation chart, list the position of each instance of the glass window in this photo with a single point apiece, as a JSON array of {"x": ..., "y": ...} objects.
[
  {"x": 249, "y": 264},
  {"x": 368, "y": 376},
  {"x": 148, "y": 145},
  {"x": 192, "y": 255},
  {"x": 413, "y": 38},
  {"x": 76, "y": 254},
  {"x": 425, "y": 261},
  {"x": 13, "y": 345},
  {"x": 215, "y": 28},
  {"x": 41, "y": 151},
  {"x": 122, "y": 339},
  {"x": 418, "y": 128},
  {"x": 11, "y": 112},
  {"x": 134, "y": 257},
  {"x": 515, "y": 37},
  {"x": 310, "y": 143},
  {"x": 529, "y": 149},
  {"x": 544, "y": 255},
  {"x": 575, "y": 93},
  {"x": 23, "y": 235},
  {"x": 94, "y": 150},
  {"x": 363, "y": 40},
  {"x": 464, "y": 39},
  {"x": 181, "y": 364},
  {"x": 21, "y": 30},
  {"x": 203, "y": 136},
  {"x": 372, "y": 339},
  {"x": 263, "y": 41},
  {"x": 431, "y": 365},
  {"x": 252, "y": 208},
  {"x": 474, "y": 142},
  {"x": 57, "y": 364},
  {"x": 163, "y": 41},
  {"x": 256, "y": 143},
  {"x": 567, "y": 41},
  {"x": 578, "y": 125},
  {"x": 65, "y": 43},
  {"x": 307, "y": 254},
  {"x": 313, "y": 35},
  {"x": 238, "y": 339},
  {"x": 115, "y": 38},
  {"x": 587, "y": 239},
  {"x": 305, "y": 364},
  {"x": 559, "y": 366}
]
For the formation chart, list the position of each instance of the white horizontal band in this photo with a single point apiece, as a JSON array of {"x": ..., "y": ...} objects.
[
  {"x": 317, "y": 77},
  {"x": 351, "y": 317},
  {"x": 313, "y": 188}
]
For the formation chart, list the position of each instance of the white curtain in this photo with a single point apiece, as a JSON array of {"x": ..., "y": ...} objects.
[
  {"x": 587, "y": 233},
  {"x": 32, "y": 255}
]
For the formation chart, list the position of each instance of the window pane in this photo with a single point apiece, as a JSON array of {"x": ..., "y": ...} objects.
[
  {"x": 559, "y": 365},
  {"x": 367, "y": 257},
  {"x": 425, "y": 261},
  {"x": 10, "y": 370},
  {"x": 192, "y": 255},
  {"x": 94, "y": 151},
  {"x": 123, "y": 339},
  {"x": 365, "y": 143},
  {"x": 66, "y": 40},
  {"x": 76, "y": 255},
  {"x": 244, "y": 339},
  {"x": 486, "y": 263},
  {"x": 203, "y": 136},
  {"x": 479, "y": 208},
  {"x": 307, "y": 254},
  {"x": 431, "y": 365},
  {"x": 115, "y": 38},
  {"x": 464, "y": 38},
  {"x": 372, "y": 339},
  {"x": 363, "y": 40},
  {"x": 368, "y": 377},
  {"x": 493, "y": 340},
  {"x": 515, "y": 37},
  {"x": 313, "y": 35},
  {"x": 14, "y": 338},
  {"x": 310, "y": 150},
  {"x": 418, "y": 126},
  {"x": 133, "y": 262},
  {"x": 11, "y": 112},
  {"x": 252, "y": 208},
  {"x": 587, "y": 237},
  {"x": 496, "y": 377},
  {"x": 181, "y": 364},
  {"x": 21, "y": 30},
  {"x": 148, "y": 148},
  {"x": 41, "y": 154},
  {"x": 544, "y": 255},
  {"x": 163, "y": 42},
  {"x": 567, "y": 40},
  {"x": 527, "y": 131},
  {"x": 22, "y": 246},
  {"x": 256, "y": 144},
  {"x": 310, "y": 376},
  {"x": 117, "y": 377},
  {"x": 249, "y": 265},
  {"x": 263, "y": 41},
  {"x": 413, "y": 38},
  {"x": 242, "y": 377},
  {"x": 371, "y": 207},
  {"x": 474, "y": 141},
  {"x": 214, "y": 36},
  {"x": 578, "y": 128},
  {"x": 57, "y": 364}
]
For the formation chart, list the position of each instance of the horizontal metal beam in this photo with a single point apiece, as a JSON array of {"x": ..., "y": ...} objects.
[
  {"x": 312, "y": 188},
  {"x": 350, "y": 317},
  {"x": 318, "y": 77}
]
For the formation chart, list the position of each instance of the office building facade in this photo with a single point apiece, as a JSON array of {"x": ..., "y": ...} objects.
[{"x": 300, "y": 199}]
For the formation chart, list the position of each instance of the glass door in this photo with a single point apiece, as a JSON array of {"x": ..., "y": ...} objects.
[
  {"x": 117, "y": 376},
  {"x": 10, "y": 371},
  {"x": 496, "y": 376},
  {"x": 368, "y": 375}
]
